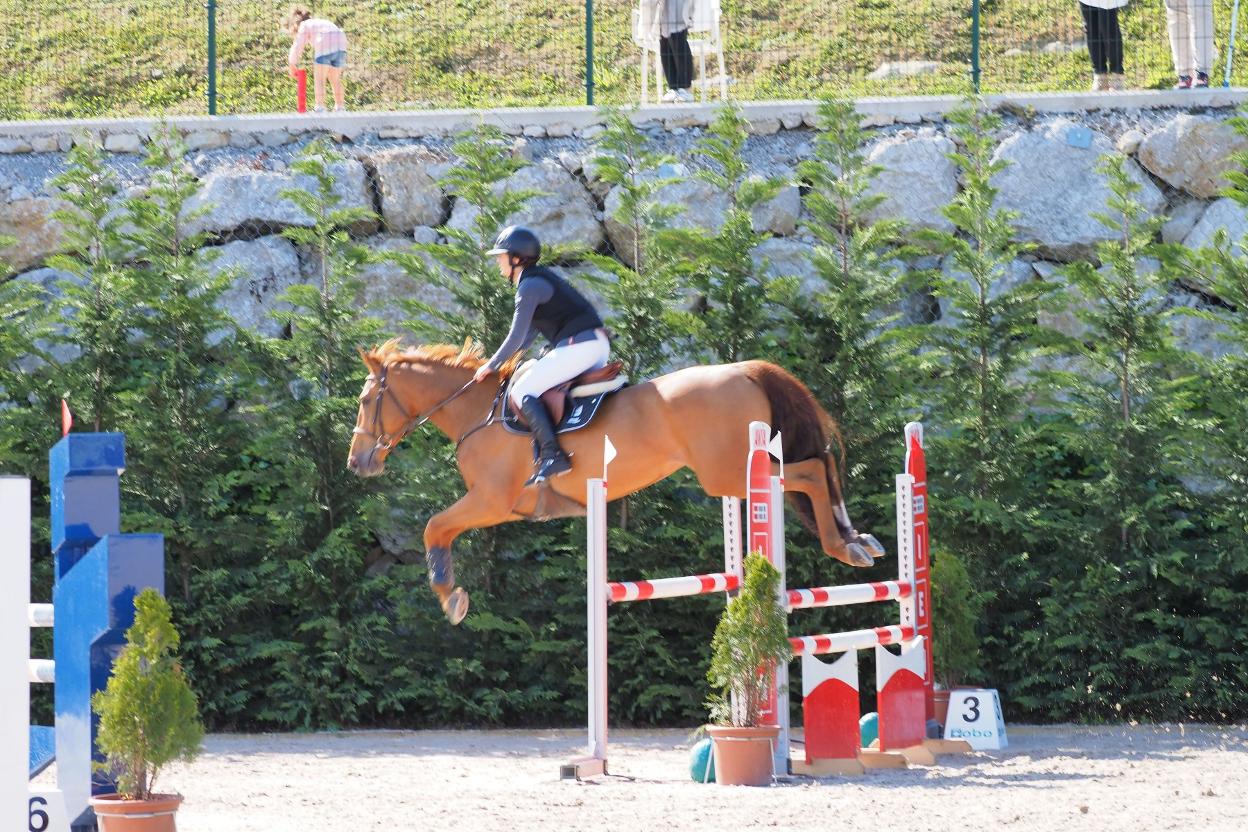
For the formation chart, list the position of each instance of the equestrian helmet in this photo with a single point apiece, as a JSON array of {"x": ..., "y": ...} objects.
[{"x": 519, "y": 242}]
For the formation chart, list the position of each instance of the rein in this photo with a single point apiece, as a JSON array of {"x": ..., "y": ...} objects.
[{"x": 386, "y": 441}]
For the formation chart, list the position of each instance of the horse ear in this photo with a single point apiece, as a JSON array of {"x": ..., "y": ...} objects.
[{"x": 372, "y": 363}]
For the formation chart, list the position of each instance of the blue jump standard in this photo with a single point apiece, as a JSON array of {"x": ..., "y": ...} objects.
[{"x": 99, "y": 571}]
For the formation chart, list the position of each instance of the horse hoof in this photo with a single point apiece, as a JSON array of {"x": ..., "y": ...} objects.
[
  {"x": 456, "y": 605},
  {"x": 858, "y": 556},
  {"x": 873, "y": 546}
]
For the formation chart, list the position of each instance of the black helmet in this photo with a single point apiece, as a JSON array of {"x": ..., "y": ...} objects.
[{"x": 518, "y": 241}]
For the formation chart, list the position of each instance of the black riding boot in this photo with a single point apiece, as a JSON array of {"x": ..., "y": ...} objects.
[{"x": 553, "y": 461}]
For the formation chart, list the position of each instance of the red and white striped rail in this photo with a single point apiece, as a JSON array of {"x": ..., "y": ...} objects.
[
  {"x": 619, "y": 591},
  {"x": 840, "y": 596},
  {"x": 853, "y": 640}
]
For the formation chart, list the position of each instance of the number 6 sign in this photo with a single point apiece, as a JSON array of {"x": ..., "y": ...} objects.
[{"x": 975, "y": 716}]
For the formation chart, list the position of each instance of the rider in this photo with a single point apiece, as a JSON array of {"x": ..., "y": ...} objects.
[{"x": 545, "y": 305}]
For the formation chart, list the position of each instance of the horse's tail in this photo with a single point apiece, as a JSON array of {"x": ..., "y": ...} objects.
[{"x": 806, "y": 429}]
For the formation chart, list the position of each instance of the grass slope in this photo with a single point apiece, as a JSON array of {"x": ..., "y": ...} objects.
[{"x": 82, "y": 58}]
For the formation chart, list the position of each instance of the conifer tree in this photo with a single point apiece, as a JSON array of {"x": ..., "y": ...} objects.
[
  {"x": 24, "y": 321},
  {"x": 981, "y": 353},
  {"x": 642, "y": 298},
  {"x": 97, "y": 300},
  {"x": 483, "y": 302},
  {"x": 843, "y": 339},
  {"x": 1122, "y": 568},
  {"x": 184, "y": 368},
  {"x": 735, "y": 320},
  {"x": 315, "y": 510},
  {"x": 320, "y": 359}
]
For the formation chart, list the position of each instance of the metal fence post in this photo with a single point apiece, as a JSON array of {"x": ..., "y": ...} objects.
[
  {"x": 212, "y": 57},
  {"x": 589, "y": 52},
  {"x": 975, "y": 45}
]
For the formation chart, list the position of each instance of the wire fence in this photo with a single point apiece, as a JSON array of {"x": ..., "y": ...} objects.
[{"x": 84, "y": 58}]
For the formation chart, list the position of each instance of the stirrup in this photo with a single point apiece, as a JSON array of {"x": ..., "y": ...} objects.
[{"x": 550, "y": 467}]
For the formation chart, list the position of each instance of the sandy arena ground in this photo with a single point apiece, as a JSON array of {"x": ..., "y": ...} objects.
[{"x": 1061, "y": 778}]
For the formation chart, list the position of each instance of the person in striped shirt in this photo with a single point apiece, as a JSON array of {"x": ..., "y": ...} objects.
[{"x": 329, "y": 51}]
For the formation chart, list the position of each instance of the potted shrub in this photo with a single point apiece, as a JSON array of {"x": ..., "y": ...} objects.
[
  {"x": 750, "y": 639},
  {"x": 149, "y": 717},
  {"x": 958, "y": 608}
]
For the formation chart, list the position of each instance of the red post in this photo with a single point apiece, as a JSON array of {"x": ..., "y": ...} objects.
[
  {"x": 301, "y": 90},
  {"x": 760, "y": 535},
  {"x": 916, "y": 466}
]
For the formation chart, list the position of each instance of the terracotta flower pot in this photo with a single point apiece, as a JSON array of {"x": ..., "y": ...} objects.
[
  {"x": 743, "y": 756},
  {"x": 155, "y": 815}
]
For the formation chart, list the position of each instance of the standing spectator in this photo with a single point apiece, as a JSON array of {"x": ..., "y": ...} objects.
[
  {"x": 671, "y": 20},
  {"x": 329, "y": 50},
  {"x": 1191, "y": 40},
  {"x": 1100, "y": 27}
]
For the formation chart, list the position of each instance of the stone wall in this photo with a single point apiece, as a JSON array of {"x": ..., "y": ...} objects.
[{"x": 394, "y": 162}]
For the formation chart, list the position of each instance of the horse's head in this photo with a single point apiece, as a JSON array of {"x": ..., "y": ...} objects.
[
  {"x": 381, "y": 423},
  {"x": 405, "y": 388}
]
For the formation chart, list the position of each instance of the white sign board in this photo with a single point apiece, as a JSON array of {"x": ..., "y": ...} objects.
[{"x": 975, "y": 716}]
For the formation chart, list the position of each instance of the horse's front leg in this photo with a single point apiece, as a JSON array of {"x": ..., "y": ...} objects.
[{"x": 474, "y": 510}]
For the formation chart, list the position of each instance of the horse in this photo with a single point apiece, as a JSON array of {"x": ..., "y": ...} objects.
[{"x": 692, "y": 418}]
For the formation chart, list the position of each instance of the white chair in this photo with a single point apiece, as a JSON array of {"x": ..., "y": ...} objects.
[
  {"x": 706, "y": 21},
  {"x": 706, "y": 15}
]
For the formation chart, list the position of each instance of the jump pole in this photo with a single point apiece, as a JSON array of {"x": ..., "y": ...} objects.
[{"x": 599, "y": 592}]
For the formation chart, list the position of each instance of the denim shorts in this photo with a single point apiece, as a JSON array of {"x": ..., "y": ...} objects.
[{"x": 335, "y": 59}]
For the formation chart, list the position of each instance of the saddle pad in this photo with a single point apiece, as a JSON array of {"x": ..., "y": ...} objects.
[{"x": 580, "y": 411}]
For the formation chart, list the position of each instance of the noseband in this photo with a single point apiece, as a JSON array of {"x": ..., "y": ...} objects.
[{"x": 386, "y": 441}]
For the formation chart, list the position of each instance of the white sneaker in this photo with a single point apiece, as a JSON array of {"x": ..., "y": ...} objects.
[
  {"x": 684, "y": 96},
  {"x": 669, "y": 96}
]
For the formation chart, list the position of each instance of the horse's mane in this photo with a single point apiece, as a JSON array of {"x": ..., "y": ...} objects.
[{"x": 469, "y": 356}]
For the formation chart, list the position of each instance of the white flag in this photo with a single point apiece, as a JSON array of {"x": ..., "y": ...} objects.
[
  {"x": 608, "y": 454},
  {"x": 776, "y": 448}
]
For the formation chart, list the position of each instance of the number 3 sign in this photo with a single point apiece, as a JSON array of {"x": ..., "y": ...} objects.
[{"x": 975, "y": 716}]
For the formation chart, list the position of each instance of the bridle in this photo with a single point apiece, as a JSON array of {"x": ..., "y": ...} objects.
[{"x": 386, "y": 441}]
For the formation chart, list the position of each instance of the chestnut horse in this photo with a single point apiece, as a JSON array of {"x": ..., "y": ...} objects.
[{"x": 695, "y": 417}]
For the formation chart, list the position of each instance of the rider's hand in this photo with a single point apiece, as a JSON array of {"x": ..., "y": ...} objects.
[
  {"x": 290, "y": 70},
  {"x": 483, "y": 372}
]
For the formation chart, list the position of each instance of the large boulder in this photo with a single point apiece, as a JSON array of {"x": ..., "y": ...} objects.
[
  {"x": 1182, "y": 219},
  {"x": 1196, "y": 333},
  {"x": 30, "y": 222},
  {"x": 410, "y": 194},
  {"x": 702, "y": 207},
  {"x": 562, "y": 214},
  {"x": 1224, "y": 215},
  {"x": 778, "y": 257},
  {"x": 1192, "y": 153},
  {"x": 241, "y": 198},
  {"x": 918, "y": 179},
  {"x": 262, "y": 270},
  {"x": 48, "y": 283},
  {"x": 779, "y": 215},
  {"x": 1055, "y": 185},
  {"x": 386, "y": 284}
]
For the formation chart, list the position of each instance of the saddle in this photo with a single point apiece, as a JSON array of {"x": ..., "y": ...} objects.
[{"x": 573, "y": 404}]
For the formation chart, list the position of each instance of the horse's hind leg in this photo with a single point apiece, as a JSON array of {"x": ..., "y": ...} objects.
[
  {"x": 474, "y": 510},
  {"x": 836, "y": 532}
]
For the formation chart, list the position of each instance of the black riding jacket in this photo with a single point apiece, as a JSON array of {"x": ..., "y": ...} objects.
[{"x": 546, "y": 305}]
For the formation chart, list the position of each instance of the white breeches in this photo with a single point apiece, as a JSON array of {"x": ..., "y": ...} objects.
[{"x": 561, "y": 364}]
